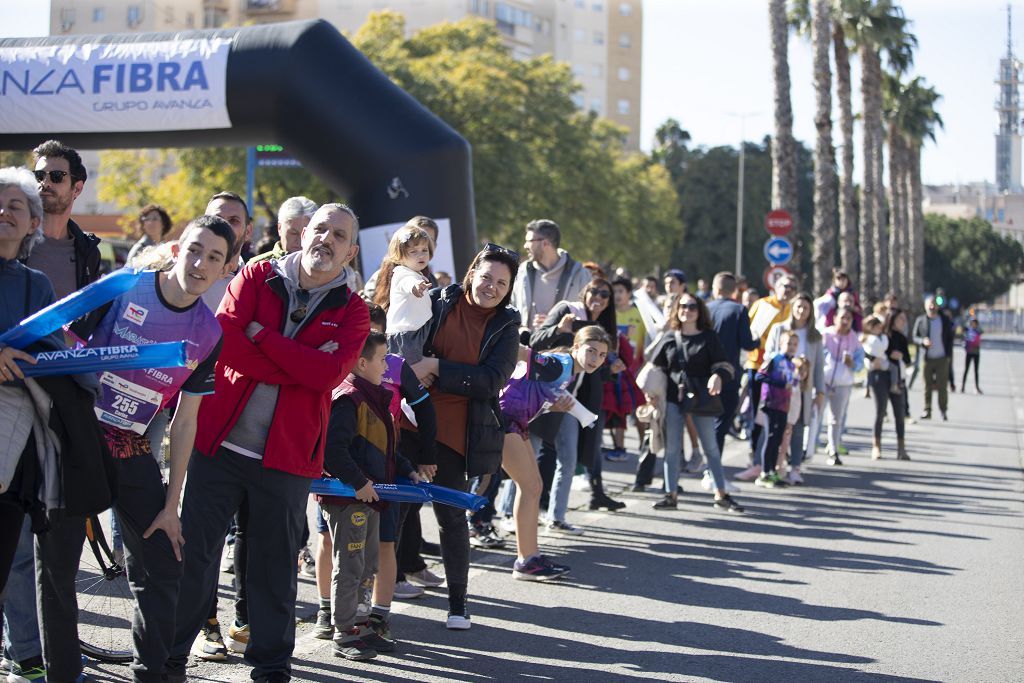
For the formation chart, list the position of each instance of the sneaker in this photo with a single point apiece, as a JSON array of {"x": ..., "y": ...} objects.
[
  {"x": 616, "y": 455},
  {"x": 794, "y": 477},
  {"x": 556, "y": 527},
  {"x": 425, "y": 577},
  {"x": 666, "y": 503},
  {"x": 727, "y": 504},
  {"x": 607, "y": 503},
  {"x": 834, "y": 459},
  {"x": 639, "y": 488},
  {"x": 842, "y": 450},
  {"x": 378, "y": 634},
  {"x": 749, "y": 474},
  {"x": 238, "y": 637},
  {"x": 770, "y": 480},
  {"x": 581, "y": 483},
  {"x": 354, "y": 648},
  {"x": 708, "y": 483},
  {"x": 485, "y": 537},
  {"x": 538, "y": 568},
  {"x": 507, "y": 525},
  {"x": 209, "y": 646},
  {"x": 458, "y": 621},
  {"x": 29, "y": 674},
  {"x": 695, "y": 463},
  {"x": 307, "y": 565},
  {"x": 227, "y": 563},
  {"x": 926, "y": 415},
  {"x": 406, "y": 591},
  {"x": 324, "y": 629}
]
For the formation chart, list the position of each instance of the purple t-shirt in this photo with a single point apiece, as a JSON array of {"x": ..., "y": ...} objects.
[{"x": 131, "y": 398}]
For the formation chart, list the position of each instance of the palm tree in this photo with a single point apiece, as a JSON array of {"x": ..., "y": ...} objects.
[
  {"x": 824, "y": 154},
  {"x": 670, "y": 147},
  {"x": 847, "y": 193},
  {"x": 919, "y": 120},
  {"x": 896, "y": 142},
  {"x": 783, "y": 145}
]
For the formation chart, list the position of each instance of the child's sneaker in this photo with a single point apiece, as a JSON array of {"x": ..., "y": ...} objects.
[
  {"x": 770, "y": 480},
  {"x": 324, "y": 629},
  {"x": 32, "y": 672},
  {"x": 353, "y": 648},
  {"x": 377, "y": 634}
]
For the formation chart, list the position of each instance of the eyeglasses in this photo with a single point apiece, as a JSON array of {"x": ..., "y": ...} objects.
[
  {"x": 299, "y": 314},
  {"x": 149, "y": 218},
  {"x": 498, "y": 249},
  {"x": 692, "y": 306},
  {"x": 56, "y": 177},
  {"x": 603, "y": 293}
]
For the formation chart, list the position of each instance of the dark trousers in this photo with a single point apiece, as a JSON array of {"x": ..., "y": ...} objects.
[
  {"x": 594, "y": 469},
  {"x": 645, "y": 466},
  {"x": 58, "y": 551},
  {"x": 153, "y": 571},
  {"x": 776, "y": 428},
  {"x": 881, "y": 384},
  {"x": 730, "y": 399},
  {"x": 411, "y": 540},
  {"x": 454, "y": 532},
  {"x": 12, "y": 518},
  {"x": 970, "y": 358},
  {"x": 755, "y": 400},
  {"x": 241, "y": 562},
  {"x": 547, "y": 460},
  {"x": 277, "y": 512}
]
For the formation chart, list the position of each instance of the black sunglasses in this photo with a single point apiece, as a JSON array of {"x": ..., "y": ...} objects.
[
  {"x": 603, "y": 293},
  {"x": 498, "y": 249},
  {"x": 692, "y": 306},
  {"x": 56, "y": 177}
]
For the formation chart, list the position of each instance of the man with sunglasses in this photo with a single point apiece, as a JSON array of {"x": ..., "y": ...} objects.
[
  {"x": 67, "y": 255},
  {"x": 293, "y": 329},
  {"x": 551, "y": 275}
]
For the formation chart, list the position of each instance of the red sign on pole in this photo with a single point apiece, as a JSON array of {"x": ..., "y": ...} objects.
[
  {"x": 778, "y": 223},
  {"x": 772, "y": 275}
]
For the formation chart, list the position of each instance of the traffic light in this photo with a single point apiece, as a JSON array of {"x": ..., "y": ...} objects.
[{"x": 940, "y": 297}]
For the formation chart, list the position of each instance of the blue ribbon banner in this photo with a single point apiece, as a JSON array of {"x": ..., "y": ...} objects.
[
  {"x": 403, "y": 493},
  {"x": 70, "y": 308},
  {"x": 103, "y": 358}
]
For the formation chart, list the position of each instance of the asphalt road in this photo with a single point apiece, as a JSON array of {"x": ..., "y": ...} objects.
[{"x": 874, "y": 571}]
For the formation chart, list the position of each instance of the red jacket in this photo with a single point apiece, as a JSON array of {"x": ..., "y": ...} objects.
[{"x": 306, "y": 376}]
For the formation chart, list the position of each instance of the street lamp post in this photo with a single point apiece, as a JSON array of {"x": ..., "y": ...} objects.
[{"x": 742, "y": 116}]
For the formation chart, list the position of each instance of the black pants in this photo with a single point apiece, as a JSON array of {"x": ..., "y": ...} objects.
[
  {"x": 645, "y": 465},
  {"x": 974, "y": 358},
  {"x": 12, "y": 517},
  {"x": 730, "y": 399},
  {"x": 451, "y": 472},
  {"x": 776, "y": 428},
  {"x": 241, "y": 563},
  {"x": 410, "y": 541},
  {"x": 547, "y": 460},
  {"x": 277, "y": 512},
  {"x": 881, "y": 383},
  {"x": 58, "y": 551},
  {"x": 755, "y": 400},
  {"x": 154, "y": 572}
]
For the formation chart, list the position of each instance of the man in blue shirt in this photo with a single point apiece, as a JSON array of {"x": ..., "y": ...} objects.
[{"x": 733, "y": 328}]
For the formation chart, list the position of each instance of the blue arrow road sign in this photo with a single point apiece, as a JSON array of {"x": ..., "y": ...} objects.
[{"x": 778, "y": 251}]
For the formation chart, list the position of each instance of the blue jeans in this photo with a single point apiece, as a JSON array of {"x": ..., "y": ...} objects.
[
  {"x": 21, "y": 625},
  {"x": 566, "y": 444},
  {"x": 675, "y": 426}
]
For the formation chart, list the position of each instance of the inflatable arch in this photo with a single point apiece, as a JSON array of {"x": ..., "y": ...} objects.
[{"x": 299, "y": 84}]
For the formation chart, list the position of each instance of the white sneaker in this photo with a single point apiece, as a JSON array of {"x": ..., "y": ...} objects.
[
  {"x": 458, "y": 622},
  {"x": 425, "y": 577},
  {"x": 708, "y": 484},
  {"x": 581, "y": 483},
  {"x": 406, "y": 591},
  {"x": 555, "y": 527},
  {"x": 507, "y": 524},
  {"x": 749, "y": 474},
  {"x": 794, "y": 476}
]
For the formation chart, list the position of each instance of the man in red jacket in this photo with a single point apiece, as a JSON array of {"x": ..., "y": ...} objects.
[{"x": 293, "y": 329}]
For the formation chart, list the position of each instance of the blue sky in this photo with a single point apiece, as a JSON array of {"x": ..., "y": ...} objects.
[{"x": 707, "y": 61}]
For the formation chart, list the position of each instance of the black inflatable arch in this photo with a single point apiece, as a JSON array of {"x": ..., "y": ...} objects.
[{"x": 304, "y": 86}]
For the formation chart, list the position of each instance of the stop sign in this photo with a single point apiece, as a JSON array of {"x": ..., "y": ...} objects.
[{"x": 778, "y": 222}]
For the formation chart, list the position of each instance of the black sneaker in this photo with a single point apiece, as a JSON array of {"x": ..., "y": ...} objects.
[
  {"x": 379, "y": 635},
  {"x": 639, "y": 488},
  {"x": 606, "y": 503},
  {"x": 485, "y": 536},
  {"x": 356, "y": 650},
  {"x": 728, "y": 504},
  {"x": 666, "y": 503},
  {"x": 834, "y": 460},
  {"x": 323, "y": 629},
  {"x": 429, "y": 548},
  {"x": 944, "y": 417}
]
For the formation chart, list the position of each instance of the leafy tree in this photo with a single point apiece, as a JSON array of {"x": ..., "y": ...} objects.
[{"x": 969, "y": 259}]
